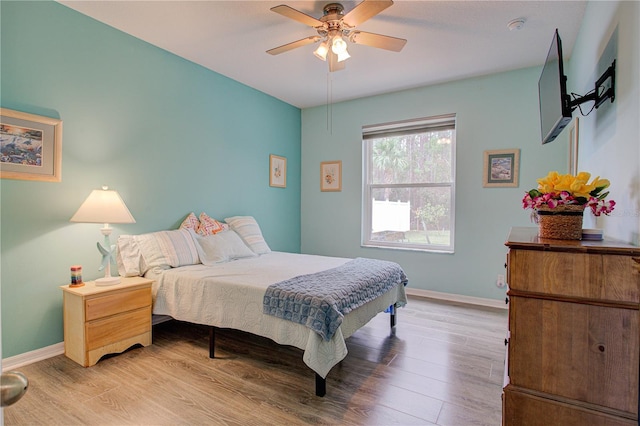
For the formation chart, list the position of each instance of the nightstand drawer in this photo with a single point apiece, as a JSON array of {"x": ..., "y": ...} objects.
[
  {"x": 105, "y": 331},
  {"x": 104, "y": 306}
]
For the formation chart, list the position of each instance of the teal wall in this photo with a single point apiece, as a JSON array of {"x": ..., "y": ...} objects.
[
  {"x": 494, "y": 112},
  {"x": 499, "y": 111},
  {"x": 609, "y": 136},
  {"x": 172, "y": 137}
]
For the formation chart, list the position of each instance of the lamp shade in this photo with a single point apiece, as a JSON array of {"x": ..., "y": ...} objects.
[
  {"x": 322, "y": 50},
  {"x": 343, "y": 56},
  {"x": 103, "y": 206},
  {"x": 338, "y": 45}
]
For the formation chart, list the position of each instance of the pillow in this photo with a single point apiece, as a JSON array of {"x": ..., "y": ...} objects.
[
  {"x": 221, "y": 247},
  {"x": 249, "y": 231},
  {"x": 128, "y": 256},
  {"x": 167, "y": 249},
  {"x": 190, "y": 222},
  {"x": 208, "y": 225}
]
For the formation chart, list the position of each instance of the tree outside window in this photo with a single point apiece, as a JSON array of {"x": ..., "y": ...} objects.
[{"x": 408, "y": 191}]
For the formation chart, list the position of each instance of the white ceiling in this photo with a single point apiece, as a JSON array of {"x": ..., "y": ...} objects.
[{"x": 447, "y": 40}]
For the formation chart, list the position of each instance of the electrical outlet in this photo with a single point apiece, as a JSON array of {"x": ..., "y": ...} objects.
[{"x": 500, "y": 281}]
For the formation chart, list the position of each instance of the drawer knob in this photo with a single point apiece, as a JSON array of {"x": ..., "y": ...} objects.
[
  {"x": 506, "y": 342},
  {"x": 506, "y": 300}
]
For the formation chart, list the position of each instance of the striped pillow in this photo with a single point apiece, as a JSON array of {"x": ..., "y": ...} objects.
[
  {"x": 249, "y": 231},
  {"x": 167, "y": 249},
  {"x": 128, "y": 256}
]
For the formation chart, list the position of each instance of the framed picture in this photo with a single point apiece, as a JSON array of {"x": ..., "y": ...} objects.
[
  {"x": 30, "y": 146},
  {"x": 501, "y": 168},
  {"x": 331, "y": 176},
  {"x": 573, "y": 146},
  {"x": 277, "y": 171}
]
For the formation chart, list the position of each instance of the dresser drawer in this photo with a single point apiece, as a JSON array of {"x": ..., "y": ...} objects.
[
  {"x": 584, "y": 352},
  {"x": 524, "y": 409},
  {"x": 112, "y": 329},
  {"x": 104, "y": 306},
  {"x": 602, "y": 277}
]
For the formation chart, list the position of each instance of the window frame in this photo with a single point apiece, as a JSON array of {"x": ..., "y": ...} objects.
[{"x": 420, "y": 125}]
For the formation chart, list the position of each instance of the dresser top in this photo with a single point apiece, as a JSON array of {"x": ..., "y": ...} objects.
[{"x": 527, "y": 238}]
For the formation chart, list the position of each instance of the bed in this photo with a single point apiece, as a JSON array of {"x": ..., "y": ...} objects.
[{"x": 220, "y": 284}]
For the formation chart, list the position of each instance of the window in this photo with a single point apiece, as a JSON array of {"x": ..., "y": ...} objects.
[{"x": 408, "y": 184}]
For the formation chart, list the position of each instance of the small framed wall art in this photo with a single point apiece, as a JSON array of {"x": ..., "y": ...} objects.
[
  {"x": 277, "y": 171},
  {"x": 30, "y": 146},
  {"x": 501, "y": 168},
  {"x": 331, "y": 176}
]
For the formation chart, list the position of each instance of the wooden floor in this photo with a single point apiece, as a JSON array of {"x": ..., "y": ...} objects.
[{"x": 442, "y": 365}]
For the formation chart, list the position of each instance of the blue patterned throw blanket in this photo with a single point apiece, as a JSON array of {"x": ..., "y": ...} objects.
[{"x": 320, "y": 301}]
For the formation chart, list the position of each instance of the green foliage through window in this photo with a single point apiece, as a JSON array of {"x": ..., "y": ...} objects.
[{"x": 409, "y": 184}]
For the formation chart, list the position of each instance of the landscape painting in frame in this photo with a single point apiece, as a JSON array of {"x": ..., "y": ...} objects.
[
  {"x": 30, "y": 146},
  {"x": 277, "y": 171},
  {"x": 501, "y": 168}
]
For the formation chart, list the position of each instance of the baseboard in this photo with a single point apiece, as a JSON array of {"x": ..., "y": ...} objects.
[
  {"x": 27, "y": 358},
  {"x": 429, "y": 294}
]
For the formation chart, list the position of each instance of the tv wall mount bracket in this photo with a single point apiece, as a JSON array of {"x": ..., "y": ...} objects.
[{"x": 600, "y": 93}]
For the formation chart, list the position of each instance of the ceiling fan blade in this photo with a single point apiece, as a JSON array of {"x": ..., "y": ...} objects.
[
  {"x": 296, "y": 15},
  {"x": 290, "y": 46},
  {"x": 364, "y": 11},
  {"x": 334, "y": 65},
  {"x": 377, "y": 40}
]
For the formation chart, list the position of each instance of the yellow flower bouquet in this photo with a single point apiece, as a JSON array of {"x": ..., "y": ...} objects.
[{"x": 556, "y": 190}]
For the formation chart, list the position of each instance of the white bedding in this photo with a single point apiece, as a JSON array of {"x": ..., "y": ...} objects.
[{"x": 230, "y": 295}]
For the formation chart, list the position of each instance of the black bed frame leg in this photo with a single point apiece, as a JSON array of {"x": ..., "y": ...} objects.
[
  {"x": 212, "y": 341},
  {"x": 392, "y": 316},
  {"x": 321, "y": 385}
]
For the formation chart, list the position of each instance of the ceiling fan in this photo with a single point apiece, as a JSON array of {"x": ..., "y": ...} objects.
[{"x": 334, "y": 27}]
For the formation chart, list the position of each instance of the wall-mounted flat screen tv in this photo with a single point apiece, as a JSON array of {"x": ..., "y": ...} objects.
[{"x": 555, "y": 110}]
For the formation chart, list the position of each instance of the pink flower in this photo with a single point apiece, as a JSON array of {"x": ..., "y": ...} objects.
[
  {"x": 599, "y": 207},
  {"x": 566, "y": 198},
  {"x": 552, "y": 204}
]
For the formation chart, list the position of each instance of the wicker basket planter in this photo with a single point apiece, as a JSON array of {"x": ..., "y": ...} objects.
[{"x": 560, "y": 223}]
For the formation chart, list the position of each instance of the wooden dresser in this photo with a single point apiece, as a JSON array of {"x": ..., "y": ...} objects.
[
  {"x": 573, "y": 342},
  {"x": 104, "y": 320}
]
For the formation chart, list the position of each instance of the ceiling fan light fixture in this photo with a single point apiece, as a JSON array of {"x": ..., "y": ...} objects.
[
  {"x": 338, "y": 45},
  {"x": 322, "y": 50},
  {"x": 335, "y": 29},
  {"x": 343, "y": 55}
]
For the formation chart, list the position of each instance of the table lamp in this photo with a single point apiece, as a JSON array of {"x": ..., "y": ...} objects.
[{"x": 104, "y": 206}]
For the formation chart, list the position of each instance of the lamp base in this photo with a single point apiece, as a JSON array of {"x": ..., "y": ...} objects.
[{"x": 107, "y": 281}]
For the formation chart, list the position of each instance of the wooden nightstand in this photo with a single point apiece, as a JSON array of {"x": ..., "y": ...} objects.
[{"x": 100, "y": 320}]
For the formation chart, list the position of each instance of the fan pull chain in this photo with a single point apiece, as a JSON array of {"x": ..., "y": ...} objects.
[{"x": 329, "y": 103}]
